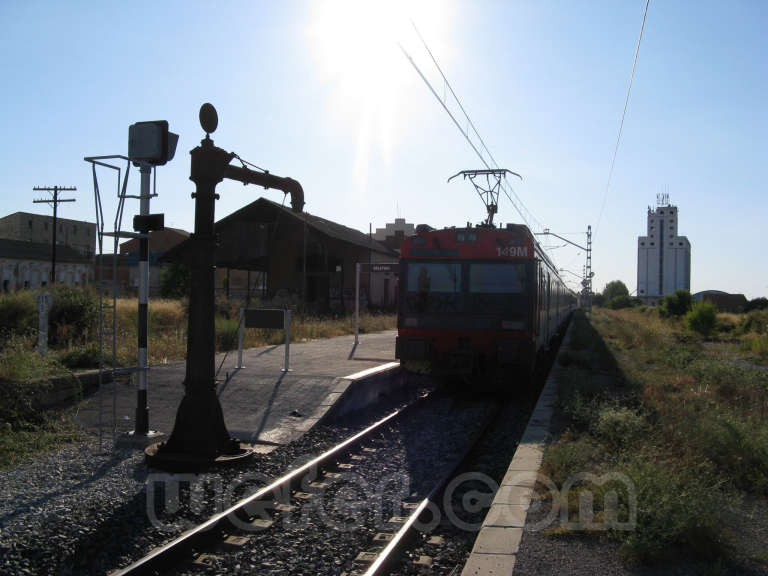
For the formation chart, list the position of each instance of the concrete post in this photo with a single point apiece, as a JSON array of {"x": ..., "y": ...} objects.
[
  {"x": 357, "y": 301},
  {"x": 287, "y": 328},
  {"x": 240, "y": 334}
]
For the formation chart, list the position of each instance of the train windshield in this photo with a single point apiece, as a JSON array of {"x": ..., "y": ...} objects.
[
  {"x": 462, "y": 287},
  {"x": 434, "y": 287},
  {"x": 493, "y": 278}
]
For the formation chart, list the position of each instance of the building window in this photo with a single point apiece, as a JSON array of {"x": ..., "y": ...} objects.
[
  {"x": 642, "y": 243},
  {"x": 74, "y": 230},
  {"x": 30, "y": 224},
  {"x": 45, "y": 226},
  {"x": 681, "y": 243},
  {"x": 651, "y": 243},
  {"x": 661, "y": 211}
]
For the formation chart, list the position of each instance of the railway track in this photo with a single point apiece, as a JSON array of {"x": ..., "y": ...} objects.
[{"x": 344, "y": 489}]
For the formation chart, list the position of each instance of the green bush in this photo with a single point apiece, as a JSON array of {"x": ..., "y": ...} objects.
[
  {"x": 619, "y": 426},
  {"x": 618, "y": 302},
  {"x": 736, "y": 447},
  {"x": 73, "y": 315},
  {"x": 676, "y": 507},
  {"x": 81, "y": 357},
  {"x": 569, "y": 457},
  {"x": 702, "y": 318},
  {"x": 226, "y": 333},
  {"x": 18, "y": 312},
  {"x": 175, "y": 281},
  {"x": 755, "y": 321},
  {"x": 677, "y": 304},
  {"x": 19, "y": 361}
]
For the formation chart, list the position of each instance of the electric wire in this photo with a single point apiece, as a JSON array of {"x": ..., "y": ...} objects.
[
  {"x": 623, "y": 114},
  {"x": 518, "y": 205}
]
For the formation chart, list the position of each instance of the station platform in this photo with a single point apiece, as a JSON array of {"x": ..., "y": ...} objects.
[{"x": 262, "y": 405}]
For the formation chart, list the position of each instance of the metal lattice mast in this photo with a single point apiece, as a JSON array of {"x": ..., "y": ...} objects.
[
  {"x": 55, "y": 201},
  {"x": 589, "y": 269}
]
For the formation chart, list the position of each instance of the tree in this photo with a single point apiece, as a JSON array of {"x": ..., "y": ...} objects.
[
  {"x": 613, "y": 289},
  {"x": 175, "y": 281},
  {"x": 756, "y": 304},
  {"x": 677, "y": 304}
]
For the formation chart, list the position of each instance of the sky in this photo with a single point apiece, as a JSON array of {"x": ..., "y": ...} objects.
[{"x": 322, "y": 92}]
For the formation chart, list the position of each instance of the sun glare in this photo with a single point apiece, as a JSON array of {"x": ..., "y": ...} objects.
[{"x": 354, "y": 47}]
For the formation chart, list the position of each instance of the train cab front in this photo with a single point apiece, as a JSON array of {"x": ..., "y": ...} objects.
[{"x": 464, "y": 318}]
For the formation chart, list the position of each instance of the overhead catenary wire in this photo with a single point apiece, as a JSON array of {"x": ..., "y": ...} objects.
[
  {"x": 623, "y": 115},
  {"x": 517, "y": 203}
]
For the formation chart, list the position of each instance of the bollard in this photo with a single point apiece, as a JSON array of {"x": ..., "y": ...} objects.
[
  {"x": 43, "y": 306},
  {"x": 357, "y": 302},
  {"x": 287, "y": 328},
  {"x": 240, "y": 330}
]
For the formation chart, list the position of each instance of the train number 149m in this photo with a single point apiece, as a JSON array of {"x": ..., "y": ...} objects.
[{"x": 512, "y": 251}]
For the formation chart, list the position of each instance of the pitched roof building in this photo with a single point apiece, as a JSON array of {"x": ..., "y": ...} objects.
[{"x": 299, "y": 254}]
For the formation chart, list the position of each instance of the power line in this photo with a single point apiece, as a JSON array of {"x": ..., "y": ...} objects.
[
  {"x": 518, "y": 204},
  {"x": 623, "y": 114}
]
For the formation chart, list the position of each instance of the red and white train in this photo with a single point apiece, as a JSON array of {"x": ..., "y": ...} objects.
[{"x": 478, "y": 300}]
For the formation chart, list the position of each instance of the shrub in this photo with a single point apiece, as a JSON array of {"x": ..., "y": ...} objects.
[
  {"x": 618, "y": 426},
  {"x": 18, "y": 312},
  {"x": 175, "y": 281},
  {"x": 621, "y": 301},
  {"x": 754, "y": 321},
  {"x": 568, "y": 457},
  {"x": 73, "y": 314},
  {"x": 676, "y": 506},
  {"x": 702, "y": 318},
  {"x": 82, "y": 357},
  {"x": 226, "y": 333},
  {"x": 677, "y": 304}
]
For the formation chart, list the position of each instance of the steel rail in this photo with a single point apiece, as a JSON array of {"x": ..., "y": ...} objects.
[
  {"x": 186, "y": 540},
  {"x": 388, "y": 554}
]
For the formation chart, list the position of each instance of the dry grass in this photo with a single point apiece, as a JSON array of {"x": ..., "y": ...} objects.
[
  {"x": 168, "y": 329},
  {"x": 689, "y": 428}
]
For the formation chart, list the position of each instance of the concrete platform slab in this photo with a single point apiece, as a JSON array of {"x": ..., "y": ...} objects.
[
  {"x": 498, "y": 540},
  {"x": 489, "y": 565},
  {"x": 261, "y": 404},
  {"x": 505, "y": 515}
]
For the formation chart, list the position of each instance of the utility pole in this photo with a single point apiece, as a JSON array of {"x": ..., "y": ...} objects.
[
  {"x": 588, "y": 275},
  {"x": 55, "y": 201}
]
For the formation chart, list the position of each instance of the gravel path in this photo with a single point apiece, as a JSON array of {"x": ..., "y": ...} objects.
[
  {"x": 84, "y": 511},
  {"x": 324, "y": 533}
]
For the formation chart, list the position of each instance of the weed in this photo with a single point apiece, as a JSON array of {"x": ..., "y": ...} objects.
[
  {"x": 18, "y": 312},
  {"x": 568, "y": 457},
  {"x": 677, "y": 506},
  {"x": 618, "y": 426}
]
